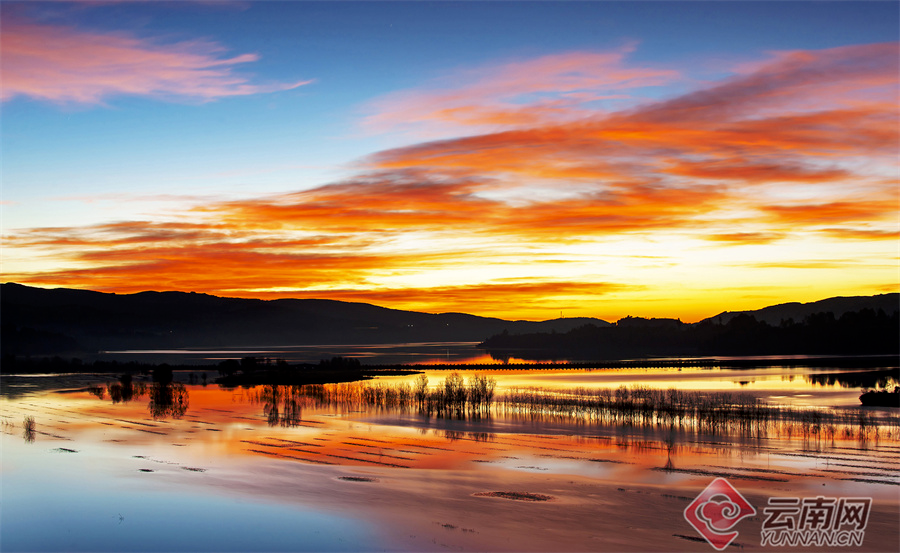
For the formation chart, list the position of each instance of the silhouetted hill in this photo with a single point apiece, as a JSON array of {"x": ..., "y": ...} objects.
[
  {"x": 775, "y": 314},
  {"x": 42, "y": 321},
  {"x": 845, "y": 331}
]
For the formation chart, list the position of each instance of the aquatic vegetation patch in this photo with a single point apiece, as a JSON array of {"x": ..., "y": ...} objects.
[
  {"x": 28, "y": 428},
  {"x": 516, "y": 496},
  {"x": 455, "y": 395},
  {"x": 638, "y": 405}
]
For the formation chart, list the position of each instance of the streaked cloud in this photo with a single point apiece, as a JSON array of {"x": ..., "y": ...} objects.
[
  {"x": 797, "y": 150},
  {"x": 862, "y": 234},
  {"x": 64, "y": 64},
  {"x": 134, "y": 256},
  {"x": 746, "y": 238},
  {"x": 488, "y": 298},
  {"x": 836, "y": 264},
  {"x": 834, "y": 212},
  {"x": 516, "y": 93}
]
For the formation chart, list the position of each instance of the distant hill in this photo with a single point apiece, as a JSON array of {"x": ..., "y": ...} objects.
[
  {"x": 797, "y": 312},
  {"x": 836, "y": 326},
  {"x": 64, "y": 321},
  {"x": 71, "y": 322}
]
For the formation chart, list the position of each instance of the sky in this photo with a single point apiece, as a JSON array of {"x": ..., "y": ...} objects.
[{"x": 523, "y": 160}]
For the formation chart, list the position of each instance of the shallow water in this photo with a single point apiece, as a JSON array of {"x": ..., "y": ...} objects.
[
  {"x": 263, "y": 469},
  {"x": 780, "y": 385}
]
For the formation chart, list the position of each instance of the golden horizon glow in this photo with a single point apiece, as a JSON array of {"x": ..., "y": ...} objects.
[{"x": 777, "y": 183}]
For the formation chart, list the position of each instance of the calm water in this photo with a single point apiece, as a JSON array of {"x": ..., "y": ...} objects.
[
  {"x": 421, "y": 352},
  {"x": 265, "y": 469}
]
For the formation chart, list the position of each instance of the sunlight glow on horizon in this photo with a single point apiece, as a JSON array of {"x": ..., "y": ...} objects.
[{"x": 597, "y": 182}]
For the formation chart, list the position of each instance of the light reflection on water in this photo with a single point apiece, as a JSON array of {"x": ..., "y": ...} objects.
[
  {"x": 94, "y": 500},
  {"x": 401, "y": 353},
  {"x": 794, "y": 385},
  {"x": 270, "y": 464},
  {"x": 420, "y": 353}
]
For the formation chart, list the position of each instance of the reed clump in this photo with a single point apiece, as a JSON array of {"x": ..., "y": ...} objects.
[
  {"x": 638, "y": 405},
  {"x": 715, "y": 412},
  {"x": 28, "y": 428},
  {"x": 455, "y": 395}
]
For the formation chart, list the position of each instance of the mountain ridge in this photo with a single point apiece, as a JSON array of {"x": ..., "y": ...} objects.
[
  {"x": 64, "y": 320},
  {"x": 859, "y": 325},
  {"x": 775, "y": 314},
  {"x": 157, "y": 320}
]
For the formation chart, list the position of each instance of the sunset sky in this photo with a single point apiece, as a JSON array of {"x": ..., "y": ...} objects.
[{"x": 514, "y": 159}]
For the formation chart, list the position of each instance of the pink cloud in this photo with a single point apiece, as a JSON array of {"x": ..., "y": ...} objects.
[
  {"x": 67, "y": 65},
  {"x": 846, "y": 77},
  {"x": 555, "y": 87},
  {"x": 799, "y": 118}
]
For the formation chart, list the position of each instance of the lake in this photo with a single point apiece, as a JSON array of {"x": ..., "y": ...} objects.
[
  {"x": 187, "y": 467},
  {"x": 387, "y": 354}
]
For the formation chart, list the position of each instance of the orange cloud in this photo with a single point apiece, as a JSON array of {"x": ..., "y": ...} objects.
[
  {"x": 206, "y": 268},
  {"x": 378, "y": 202},
  {"x": 746, "y": 154},
  {"x": 133, "y": 256},
  {"x": 862, "y": 234},
  {"x": 389, "y": 203},
  {"x": 796, "y": 81},
  {"x": 833, "y": 212},
  {"x": 748, "y": 171},
  {"x": 64, "y": 64},
  {"x": 633, "y": 209},
  {"x": 747, "y": 238},
  {"x": 782, "y": 148},
  {"x": 112, "y": 234},
  {"x": 485, "y": 298},
  {"x": 780, "y": 122}
]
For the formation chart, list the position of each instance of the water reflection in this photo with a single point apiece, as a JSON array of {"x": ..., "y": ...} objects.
[
  {"x": 28, "y": 429},
  {"x": 718, "y": 413},
  {"x": 123, "y": 390},
  {"x": 670, "y": 449},
  {"x": 282, "y": 405},
  {"x": 455, "y": 435},
  {"x": 382, "y": 354},
  {"x": 250, "y": 464},
  {"x": 858, "y": 379},
  {"x": 456, "y": 397},
  {"x": 168, "y": 400}
]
